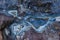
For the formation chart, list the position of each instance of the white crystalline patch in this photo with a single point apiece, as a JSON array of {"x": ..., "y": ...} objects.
[
  {"x": 41, "y": 29},
  {"x": 7, "y": 32},
  {"x": 22, "y": 9},
  {"x": 13, "y": 12},
  {"x": 58, "y": 18},
  {"x": 16, "y": 28}
]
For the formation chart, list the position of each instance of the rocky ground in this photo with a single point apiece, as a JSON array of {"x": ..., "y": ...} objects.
[
  {"x": 44, "y": 7},
  {"x": 31, "y": 34}
]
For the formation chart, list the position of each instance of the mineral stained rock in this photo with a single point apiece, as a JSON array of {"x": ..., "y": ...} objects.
[{"x": 25, "y": 19}]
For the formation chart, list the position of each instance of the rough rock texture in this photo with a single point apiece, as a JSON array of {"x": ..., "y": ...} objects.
[
  {"x": 4, "y": 22},
  {"x": 43, "y": 8},
  {"x": 31, "y": 35}
]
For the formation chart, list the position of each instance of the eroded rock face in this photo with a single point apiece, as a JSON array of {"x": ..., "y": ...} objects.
[{"x": 4, "y": 21}]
